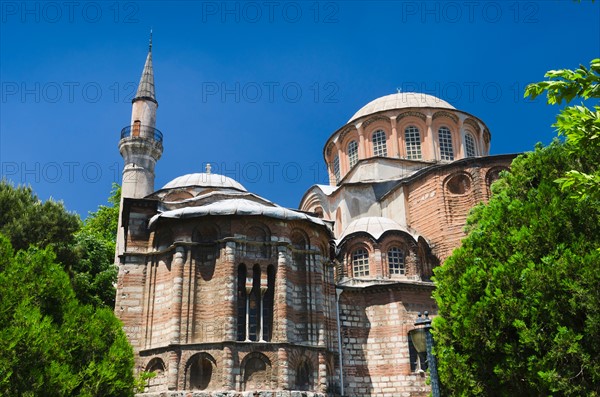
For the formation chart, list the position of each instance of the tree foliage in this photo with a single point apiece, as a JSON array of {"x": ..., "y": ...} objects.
[
  {"x": 26, "y": 220},
  {"x": 51, "y": 344},
  {"x": 95, "y": 273},
  {"x": 519, "y": 301},
  {"x": 85, "y": 250},
  {"x": 579, "y": 124}
]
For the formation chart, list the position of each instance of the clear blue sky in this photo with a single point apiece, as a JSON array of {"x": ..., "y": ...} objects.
[{"x": 257, "y": 87}]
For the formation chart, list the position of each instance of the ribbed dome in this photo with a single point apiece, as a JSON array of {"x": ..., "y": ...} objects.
[
  {"x": 373, "y": 225},
  {"x": 204, "y": 180},
  {"x": 399, "y": 101}
]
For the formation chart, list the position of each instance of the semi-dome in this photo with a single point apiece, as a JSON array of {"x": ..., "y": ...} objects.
[
  {"x": 204, "y": 180},
  {"x": 375, "y": 226},
  {"x": 399, "y": 101}
]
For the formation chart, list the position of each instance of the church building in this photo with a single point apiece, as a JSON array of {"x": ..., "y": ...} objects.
[{"x": 224, "y": 293}]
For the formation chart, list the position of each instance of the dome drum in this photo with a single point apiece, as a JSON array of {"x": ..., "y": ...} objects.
[{"x": 405, "y": 126}]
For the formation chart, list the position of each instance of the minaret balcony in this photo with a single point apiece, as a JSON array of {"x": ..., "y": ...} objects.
[{"x": 142, "y": 131}]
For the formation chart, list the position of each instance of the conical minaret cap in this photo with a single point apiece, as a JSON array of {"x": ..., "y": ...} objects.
[{"x": 146, "y": 87}]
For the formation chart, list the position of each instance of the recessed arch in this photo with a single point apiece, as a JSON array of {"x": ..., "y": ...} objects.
[
  {"x": 256, "y": 372},
  {"x": 459, "y": 183},
  {"x": 304, "y": 375},
  {"x": 199, "y": 371}
]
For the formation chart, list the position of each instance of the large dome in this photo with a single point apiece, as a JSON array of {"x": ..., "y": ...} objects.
[
  {"x": 399, "y": 101},
  {"x": 204, "y": 180}
]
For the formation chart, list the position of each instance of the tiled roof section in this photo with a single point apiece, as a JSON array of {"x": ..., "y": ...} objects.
[
  {"x": 401, "y": 100},
  {"x": 146, "y": 87},
  {"x": 237, "y": 206}
]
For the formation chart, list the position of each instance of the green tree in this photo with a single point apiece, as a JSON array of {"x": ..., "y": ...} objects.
[
  {"x": 95, "y": 273},
  {"x": 26, "y": 220},
  {"x": 51, "y": 344},
  {"x": 519, "y": 302},
  {"x": 579, "y": 124},
  {"x": 85, "y": 250}
]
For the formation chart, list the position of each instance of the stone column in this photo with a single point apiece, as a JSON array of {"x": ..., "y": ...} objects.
[
  {"x": 187, "y": 298},
  {"x": 284, "y": 370},
  {"x": 460, "y": 150},
  {"x": 322, "y": 373},
  {"x": 176, "y": 295},
  {"x": 173, "y": 374},
  {"x": 230, "y": 320},
  {"x": 395, "y": 151},
  {"x": 430, "y": 139},
  {"x": 228, "y": 378},
  {"x": 281, "y": 294},
  {"x": 362, "y": 150}
]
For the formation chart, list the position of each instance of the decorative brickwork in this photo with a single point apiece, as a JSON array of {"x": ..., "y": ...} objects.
[{"x": 225, "y": 294}]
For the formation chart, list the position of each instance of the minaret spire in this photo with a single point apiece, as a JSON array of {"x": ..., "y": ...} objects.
[{"x": 146, "y": 87}]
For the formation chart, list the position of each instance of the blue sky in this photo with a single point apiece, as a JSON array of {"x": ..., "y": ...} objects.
[{"x": 256, "y": 88}]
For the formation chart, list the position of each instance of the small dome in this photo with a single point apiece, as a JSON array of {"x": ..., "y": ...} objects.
[
  {"x": 204, "y": 180},
  {"x": 373, "y": 225},
  {"x": 399, "y": 101}
]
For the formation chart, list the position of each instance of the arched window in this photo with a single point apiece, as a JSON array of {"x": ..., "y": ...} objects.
[
  {"x": 360, "y": 263},
  {"x": 268, "y": 300},
  {"x": 352, "y": 153},
  {"x": 470, "y": 145},
  {"x": 242, "y": 303},
  {"x": 379, "y": 143},
  {"x": 256, "y": 292},
  {"x": 412, "y": 137},
  {"x": 396, "y": 262},
  {"x": 445, "y": 139},
  {"x": 254, "y": 305},
  {"x": 336, "y": 168}
]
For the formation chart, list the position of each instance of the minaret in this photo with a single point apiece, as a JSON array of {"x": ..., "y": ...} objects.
[{"x": 140, "y": 144}]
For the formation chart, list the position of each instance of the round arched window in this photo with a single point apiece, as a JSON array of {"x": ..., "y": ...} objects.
[
  {"x": 379, "y": 143},
  {"x": 352, "y": 153},
  {"x": 445, "y": 140}
]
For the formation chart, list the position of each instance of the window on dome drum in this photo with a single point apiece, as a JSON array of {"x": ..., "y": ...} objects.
[
  {"x": 445, "y": 139},
  {"x": 379, "y": 143},
  {"x": 360, "y": 263},
  {"x": 352, "y": 153},
  {"x": 412, "y": 138},
  {"x": 336, "y": 168},
  {"x": 469, "y": 145},
  {"x": 396, "y": 262}
]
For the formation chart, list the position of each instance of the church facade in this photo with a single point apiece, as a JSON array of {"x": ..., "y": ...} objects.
[{"x": 224, "y": 293}]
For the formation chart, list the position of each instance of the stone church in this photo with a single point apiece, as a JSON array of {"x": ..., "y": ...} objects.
[{"x": 224, "y": 293}]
